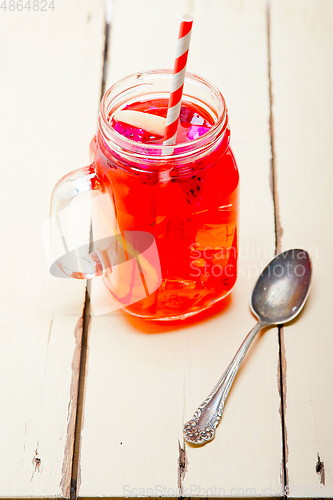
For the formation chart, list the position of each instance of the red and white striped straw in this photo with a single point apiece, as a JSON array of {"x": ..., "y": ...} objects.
[{"x": 178, "y": 78}]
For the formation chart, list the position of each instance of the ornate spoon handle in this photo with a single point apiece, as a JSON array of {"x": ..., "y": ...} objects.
[{"x": 201, "y": 428}]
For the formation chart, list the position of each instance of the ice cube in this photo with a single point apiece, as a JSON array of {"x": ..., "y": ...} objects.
[{"x": 196, "y": 131}]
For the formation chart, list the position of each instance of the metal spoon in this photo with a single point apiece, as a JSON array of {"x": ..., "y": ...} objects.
[{"x": 278, "y": 296}]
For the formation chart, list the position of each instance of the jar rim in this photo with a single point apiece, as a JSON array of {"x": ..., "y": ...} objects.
[{"x": 181, "y": 150}]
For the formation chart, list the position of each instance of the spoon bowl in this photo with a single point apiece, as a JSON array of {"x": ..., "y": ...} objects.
[{"x": 282, "y": 288}]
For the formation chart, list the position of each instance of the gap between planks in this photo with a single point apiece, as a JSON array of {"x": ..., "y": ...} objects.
[
  {"x": 76, "y": 472},
  {"x": 75, "y": 476},
  {"x": 282, "y": 365}
]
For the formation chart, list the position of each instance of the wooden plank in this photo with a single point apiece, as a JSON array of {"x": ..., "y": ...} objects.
[
  {"x": 248, "y": 456},
  {"x": 302, "y": 81},
  {"x": 141, "y": 388},
  {"x": 51, "y": 67}
]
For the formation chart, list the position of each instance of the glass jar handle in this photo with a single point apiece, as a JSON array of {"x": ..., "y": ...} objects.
[{"x": 69, "y": 262}]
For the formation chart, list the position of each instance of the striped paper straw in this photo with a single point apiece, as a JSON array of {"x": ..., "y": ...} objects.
[{"x": 178, "y": 78}]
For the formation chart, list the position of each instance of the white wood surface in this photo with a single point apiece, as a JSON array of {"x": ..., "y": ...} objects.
[
  {"x": 302, "y": 71},
  {"x": 144, "y": 381},
  {"x": 51, "y": 65}
]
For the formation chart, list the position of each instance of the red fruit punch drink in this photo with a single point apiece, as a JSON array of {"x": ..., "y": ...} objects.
[{"x": 184, "y": 195}]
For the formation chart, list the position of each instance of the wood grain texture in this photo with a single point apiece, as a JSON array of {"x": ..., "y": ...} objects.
[
  {"x": 302, "y": 81},
  {"x": 51, "y": 66},
  {"x": 144, "y": 381}
]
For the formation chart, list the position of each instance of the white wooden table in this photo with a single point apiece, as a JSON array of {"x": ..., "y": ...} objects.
[{"x": 94, "y": 406}]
